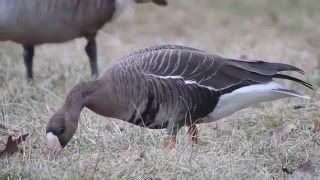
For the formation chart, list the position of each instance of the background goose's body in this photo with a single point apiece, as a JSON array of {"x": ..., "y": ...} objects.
[
  {"x": 172, "y": 86},
  {"x": 39, "y": 21},
  {"x": 35, "y": 22}
]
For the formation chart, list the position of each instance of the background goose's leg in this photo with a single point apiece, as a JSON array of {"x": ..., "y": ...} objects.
[
  {"x": 28, "y": 52},
  {"x": 91, "y": 50},
  {"x": 193, "y": 133}
]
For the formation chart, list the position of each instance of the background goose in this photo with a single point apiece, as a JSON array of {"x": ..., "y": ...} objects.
[
  {"x": 171, "y": 86},
  {"x": 35, "y": 22}
]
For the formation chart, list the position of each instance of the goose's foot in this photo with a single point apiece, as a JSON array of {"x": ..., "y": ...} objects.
[
  {"x": 170, "y": 142},
  {"x": 193, "y": 133}
]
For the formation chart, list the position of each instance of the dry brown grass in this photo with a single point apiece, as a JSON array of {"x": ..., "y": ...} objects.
[{"x": 284, "y": 31}]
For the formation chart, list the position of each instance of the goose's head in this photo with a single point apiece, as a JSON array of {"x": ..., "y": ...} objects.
[{"x": 60, "y": 130}]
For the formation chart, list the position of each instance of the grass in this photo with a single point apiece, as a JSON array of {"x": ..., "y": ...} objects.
[{"x": 283, "y": 31}]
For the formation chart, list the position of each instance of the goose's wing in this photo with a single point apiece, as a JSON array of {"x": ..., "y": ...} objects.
[{"x": 208, "y": 70}]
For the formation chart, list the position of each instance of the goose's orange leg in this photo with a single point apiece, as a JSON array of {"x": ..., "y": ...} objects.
[
  {"x": 170, "y": 142},
  {"x": 193, "y": 133}
]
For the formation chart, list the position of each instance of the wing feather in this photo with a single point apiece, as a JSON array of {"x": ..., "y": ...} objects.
[{"x": 208, "y": 70}]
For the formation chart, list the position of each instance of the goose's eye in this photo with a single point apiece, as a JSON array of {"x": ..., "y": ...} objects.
[{"x": 61, "y": 130}]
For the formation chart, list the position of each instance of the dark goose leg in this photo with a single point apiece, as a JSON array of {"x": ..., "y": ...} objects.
[
  {"x": 28, "y": 52},
  {"x": 91, "y": 50}
]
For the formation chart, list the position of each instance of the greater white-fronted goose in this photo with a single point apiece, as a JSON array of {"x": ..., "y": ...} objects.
[
  {"x": 169, "y": 87},
  {"x": 35, "y": 22}
]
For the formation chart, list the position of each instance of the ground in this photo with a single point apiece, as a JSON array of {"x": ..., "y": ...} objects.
[{"x": 285, "y": 31}]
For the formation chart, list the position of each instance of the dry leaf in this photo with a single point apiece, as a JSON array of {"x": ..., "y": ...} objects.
[
  {"x": 316, "y": 127},
  {"x": 284, "y": 130},
  {"x": 5, "y": 133},
  {"x": 12, "y": 145}
]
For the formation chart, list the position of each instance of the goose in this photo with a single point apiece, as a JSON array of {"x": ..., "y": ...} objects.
[
  {"x": 35, "y": 22},
  {"x": 171, "y": 86}
]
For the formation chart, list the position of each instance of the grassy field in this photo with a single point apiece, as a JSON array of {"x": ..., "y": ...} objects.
[{"x": 285, "y": 31}]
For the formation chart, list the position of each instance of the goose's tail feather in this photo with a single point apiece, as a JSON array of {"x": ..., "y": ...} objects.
[
  {"x": 282, "y": 76},
  {"x": 262, "y": 67}
]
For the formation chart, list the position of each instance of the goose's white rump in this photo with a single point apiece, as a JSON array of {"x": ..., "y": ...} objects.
[{"x": 246, "y": 96}]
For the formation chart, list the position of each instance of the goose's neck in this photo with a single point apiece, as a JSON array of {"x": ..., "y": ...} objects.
[
  {"x": 98, "y": 96},
  {"x": 75, "y": 100}
]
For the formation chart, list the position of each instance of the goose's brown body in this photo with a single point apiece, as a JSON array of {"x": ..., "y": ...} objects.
[{"x": 172, "y": 86}]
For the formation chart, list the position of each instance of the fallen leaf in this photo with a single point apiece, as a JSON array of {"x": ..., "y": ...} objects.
[
  {"x": 316, "y": 127},
  {"x": 282, "y": 131},
  {"x": 12, "y": 145}
]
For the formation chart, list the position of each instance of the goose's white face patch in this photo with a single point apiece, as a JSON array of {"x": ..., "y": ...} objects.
[{"x": 53, "y": 142}]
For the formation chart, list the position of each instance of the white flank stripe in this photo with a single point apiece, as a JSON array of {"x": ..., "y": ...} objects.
[
  {"x": 166, "y": 77},
  {"x": 190, "y": 82},
  {"x": 186, "y": 82},
  {"x": 194, "y": 82}
]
